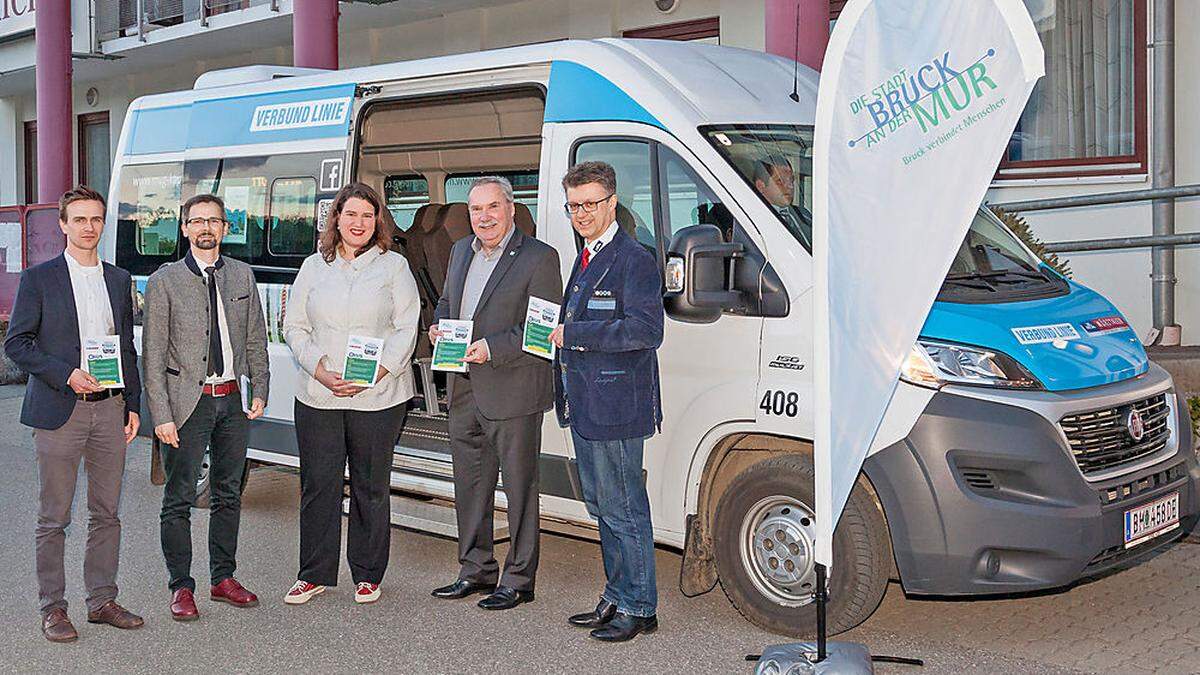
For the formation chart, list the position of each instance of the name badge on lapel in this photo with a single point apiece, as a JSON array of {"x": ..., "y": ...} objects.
[{"x": 602, "y": 300}]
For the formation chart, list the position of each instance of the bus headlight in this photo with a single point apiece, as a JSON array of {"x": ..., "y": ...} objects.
[{"x": 935, "y": 364}]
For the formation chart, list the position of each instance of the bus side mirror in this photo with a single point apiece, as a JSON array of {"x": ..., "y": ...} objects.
[{"x": 699, "y": 274}]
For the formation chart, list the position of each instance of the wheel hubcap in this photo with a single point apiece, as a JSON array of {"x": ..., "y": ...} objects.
[{"x": 777, "y": 538}]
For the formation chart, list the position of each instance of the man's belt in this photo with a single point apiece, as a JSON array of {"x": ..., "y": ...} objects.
[
  {"x": 220, "y": 389},
  {"x": 98, "y": 396}
]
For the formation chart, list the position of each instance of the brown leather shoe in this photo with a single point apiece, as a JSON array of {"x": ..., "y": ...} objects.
[
  {"x": 57, "y": 627},
  {"x": 183, "y": 606},
  {"x": 230, "y": 591},
  {"x": 115, "y": 615}
]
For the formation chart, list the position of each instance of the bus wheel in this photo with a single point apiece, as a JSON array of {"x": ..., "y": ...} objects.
[
  {"x": 764, "y": 534},
  {"x": 203, "y": 483}
]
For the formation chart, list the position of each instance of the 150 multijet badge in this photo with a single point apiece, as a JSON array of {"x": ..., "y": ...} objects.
[{"x": 786, "y": 362}]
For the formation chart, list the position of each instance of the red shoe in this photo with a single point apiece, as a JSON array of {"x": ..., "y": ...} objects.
[
  {"x": 301, "y": 592},
  {"x": 231, "y": 591},
  {"x": 183, "y": 606},
  {"x": 366, "y": 592}
]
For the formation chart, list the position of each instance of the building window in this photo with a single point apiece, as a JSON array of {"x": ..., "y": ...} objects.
[
  {"x": 31, "y": 167},
  {"x": 1087, "y": 116},
  {"x": 701, "y": 30},
  {"x": 95, "y": 157}
]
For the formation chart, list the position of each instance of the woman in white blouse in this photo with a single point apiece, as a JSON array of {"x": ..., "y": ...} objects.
[{"x": 354, "y": 285}]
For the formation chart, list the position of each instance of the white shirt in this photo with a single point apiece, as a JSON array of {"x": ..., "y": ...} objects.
[
  {"x": 600, "y": 242},
  {"x": 373, "y": 295},
  {"x": 226, "y": 345},
  {"x": 92, "y": 304}
]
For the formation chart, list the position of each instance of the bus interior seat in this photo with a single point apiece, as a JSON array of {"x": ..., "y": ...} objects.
[
  {"x": 633, "y": 225},
  {"x": 524, "y": 221},
  {"x": 424, "y": 220}
]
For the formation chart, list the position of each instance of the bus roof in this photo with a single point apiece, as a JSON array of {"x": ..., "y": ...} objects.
[{"x": 670, "y": 84}]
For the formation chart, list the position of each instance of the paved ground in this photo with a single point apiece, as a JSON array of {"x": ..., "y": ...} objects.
[{"x": 1146, "y": 619}]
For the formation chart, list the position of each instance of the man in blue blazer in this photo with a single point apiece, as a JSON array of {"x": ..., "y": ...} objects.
[
  {"x": 607, "y": 392},
  {"x": 60, "y": 306}
]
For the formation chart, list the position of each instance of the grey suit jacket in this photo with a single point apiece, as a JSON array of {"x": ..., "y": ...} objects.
[
  {"x": 513, "y": 383},
  {"x": 175, "y": 336}
]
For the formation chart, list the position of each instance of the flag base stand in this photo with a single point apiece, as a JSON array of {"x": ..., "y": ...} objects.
[{"x": 820, "y": 657}]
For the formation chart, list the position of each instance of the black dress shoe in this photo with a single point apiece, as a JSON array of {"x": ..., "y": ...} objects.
[
  {"x": 461, "y": 589},
  {"x": 506, "y": 598},
  {"x": 600, "y": 616},
  {"x": 624, "y": 627}
]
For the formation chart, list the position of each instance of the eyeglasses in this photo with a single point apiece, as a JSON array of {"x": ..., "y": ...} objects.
[
  {"x": 588, "y": 207},
  {"x": 214, "y": 222}
]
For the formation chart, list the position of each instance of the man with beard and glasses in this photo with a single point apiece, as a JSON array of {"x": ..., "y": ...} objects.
[{"x": 203, "y": 335}]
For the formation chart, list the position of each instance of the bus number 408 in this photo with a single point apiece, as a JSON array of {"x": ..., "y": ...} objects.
[{"x": 783, "y": 403}]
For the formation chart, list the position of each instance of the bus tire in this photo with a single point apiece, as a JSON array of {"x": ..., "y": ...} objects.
[
  {"x": 763, "y": 533},
  {"x": 204, "y": 485}
]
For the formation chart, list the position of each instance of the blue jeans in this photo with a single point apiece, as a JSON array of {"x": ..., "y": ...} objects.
[{"x": 611, "y": 476}]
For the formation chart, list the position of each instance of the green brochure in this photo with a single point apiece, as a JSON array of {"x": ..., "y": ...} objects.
[
  {"x": 541, "y": 318},
  {"x": 103, "y": 356},
  {"x": 362, "y": 360},
  {"x": 451, "y": 346}
]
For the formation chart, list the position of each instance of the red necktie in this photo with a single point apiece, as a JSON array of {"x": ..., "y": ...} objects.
[{"x": 587, "y": 254}]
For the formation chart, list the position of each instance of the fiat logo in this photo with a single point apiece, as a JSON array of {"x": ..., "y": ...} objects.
[{"x": 1134, "y": 425}]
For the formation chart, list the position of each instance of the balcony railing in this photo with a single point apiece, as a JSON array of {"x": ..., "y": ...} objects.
[{"x": 125, "y": 18}]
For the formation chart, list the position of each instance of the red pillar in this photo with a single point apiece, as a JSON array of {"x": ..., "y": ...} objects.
[
  {"x": 52, "y": 26},
  {"x": 315, "y": 34},
  {"x": 814, "y": 30}
]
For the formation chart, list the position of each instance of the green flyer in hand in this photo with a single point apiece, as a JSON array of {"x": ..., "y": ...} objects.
[
  {"x": 541, "y": 318},
  {"x": 362, "y": 360},
  {"x": 451, "y": 346},
  {"x": 103, "y": 356}
]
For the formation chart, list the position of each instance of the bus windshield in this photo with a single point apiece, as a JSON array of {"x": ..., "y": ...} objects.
[{"x": 776, "y": 160}]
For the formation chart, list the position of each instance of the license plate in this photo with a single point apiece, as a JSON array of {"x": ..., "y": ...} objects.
[{"x": 1146, "y": 522}]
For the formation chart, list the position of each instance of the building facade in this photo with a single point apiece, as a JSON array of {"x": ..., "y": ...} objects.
[{"x": 1088, "y": 128}]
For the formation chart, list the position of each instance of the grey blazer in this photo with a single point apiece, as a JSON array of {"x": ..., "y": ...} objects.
[
  {"x": 513, "y": 383},
  {"x": 175, "y": 336}
]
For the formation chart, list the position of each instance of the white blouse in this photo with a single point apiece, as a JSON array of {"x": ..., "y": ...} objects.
[{"x": 373, "y": 295}]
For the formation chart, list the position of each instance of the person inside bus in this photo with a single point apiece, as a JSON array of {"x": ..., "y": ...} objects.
[
  {"x": 496, "y": 407},
  {"x": 776, "y": 182},
  {"x": 61, "y": 304},
  {"x": 193, "y": 361},
  {"x": 353, "y": 285},
  {"x": 608, "y": 394}
]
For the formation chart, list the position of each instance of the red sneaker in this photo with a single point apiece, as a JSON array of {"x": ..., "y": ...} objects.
[
  {"x": 183, "y": 606},
  {"x": 366, "y": 592},
  {"x": 232, "y": 592},
  {"x": 301, "y": 592}
]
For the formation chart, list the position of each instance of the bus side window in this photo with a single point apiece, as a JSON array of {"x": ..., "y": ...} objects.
[
  {"x": 293, "y": 216},
  {"x": 688, "y": 201},
  {"x": 635, "y": 203},
  {"x": 148, "y": 216},
  {"x": 404, "y": 195}
]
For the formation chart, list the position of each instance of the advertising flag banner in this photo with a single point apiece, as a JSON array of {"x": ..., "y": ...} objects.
[{"x": 917, "y": 101}]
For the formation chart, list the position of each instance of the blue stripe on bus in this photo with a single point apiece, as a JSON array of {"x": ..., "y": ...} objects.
[
  {"x": 297, "y": 115},
  {"x": 579, "y": 94}
]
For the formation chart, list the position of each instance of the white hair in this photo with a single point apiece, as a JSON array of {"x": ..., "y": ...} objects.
[{"x": 505, "y": 186}]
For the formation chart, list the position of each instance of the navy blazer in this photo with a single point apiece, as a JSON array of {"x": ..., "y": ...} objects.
[
  {"x": 43, "y": 339},
  {"x": 612, "y": 326}
]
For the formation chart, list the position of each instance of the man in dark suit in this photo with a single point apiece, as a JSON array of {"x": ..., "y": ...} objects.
[
  {"x": 496, "y": 408},
  {"x": 61, "y": 305},
  {"x": 612, "y": 325}
]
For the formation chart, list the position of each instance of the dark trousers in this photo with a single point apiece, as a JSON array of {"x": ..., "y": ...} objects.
[
  {"x": 219, "y": 426},
  {"x": 481, "y": 448},
  {"x": 328, "y": 440},
  {"x": 94, "y": 434}
]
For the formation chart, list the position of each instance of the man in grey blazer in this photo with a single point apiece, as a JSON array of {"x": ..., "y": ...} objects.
[
  {"x": 496, "y": 408},
  {"x": 204, "y": 332}
]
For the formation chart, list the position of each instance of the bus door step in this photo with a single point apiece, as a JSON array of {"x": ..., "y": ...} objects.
[{"x": 434, "y": 516}]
